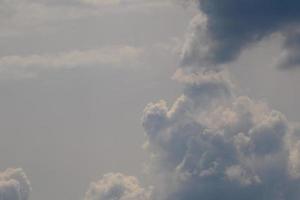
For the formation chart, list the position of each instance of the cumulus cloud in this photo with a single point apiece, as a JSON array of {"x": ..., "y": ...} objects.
[
  {"x": 227, "y": 27},
  {"x": 117, "y": 187},
  {"x": 117, "y": 56},
  {"x": 14, "y": 185},
  {"x": 223, "y": 147},
  {"x": 212, "y": 143}
]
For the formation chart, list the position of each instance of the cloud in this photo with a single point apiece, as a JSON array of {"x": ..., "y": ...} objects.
[
  {"x": 116, "y": 56},
  {"x": 117, "y": 187},
  {"x": 101, "y": 2},
  {"x": 212, "y": 143},
  {"x": 229, "y": 147},
  {"x": 19, "y": 17},
  {"x": 125, "y": 2},
  {"x": 225, "y": 28},
  {"x": 14, "y": 185},
  {"x": 289, "y": 57}
]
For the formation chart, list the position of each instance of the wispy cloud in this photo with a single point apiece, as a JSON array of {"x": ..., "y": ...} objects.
[
  {"x": 125, "y": 2},
  {"x": 111, "y": 56},
  {"x": 17, "y": 16}
]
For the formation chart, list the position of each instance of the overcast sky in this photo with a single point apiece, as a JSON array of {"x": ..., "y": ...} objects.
[{"x": 76, "y": 75}]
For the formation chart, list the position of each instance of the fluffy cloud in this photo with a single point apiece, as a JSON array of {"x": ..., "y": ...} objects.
[
  {"x": 117, "y": 187},
  {"x": 14, "y": 185},
  {"x": 220, "y": 146},
  {"x": 212, "y": 143},
  {"x": 30, "y": 65},
  {"x": 227, "y": 27}
]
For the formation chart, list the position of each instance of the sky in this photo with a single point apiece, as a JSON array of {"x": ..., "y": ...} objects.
[{"x": 149, "y": 99}]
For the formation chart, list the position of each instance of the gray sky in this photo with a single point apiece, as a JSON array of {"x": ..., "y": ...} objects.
[
  {"x": 68, "y": 123},
  {"x": 75, "y": 77}
]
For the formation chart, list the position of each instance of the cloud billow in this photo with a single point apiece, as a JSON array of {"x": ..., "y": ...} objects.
[
  {"x": 232, "y": 148},
  {"x": 117, "y": 187},
  {"x": 227, "y": 27},
  {"x": 14, "y": 185},
  {"x": 213, "y": 144}
]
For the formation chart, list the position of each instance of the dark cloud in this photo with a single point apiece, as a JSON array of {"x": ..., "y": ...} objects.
[
  {"x": 290, "y": 56},
  {"x": 229, "y": 26}
]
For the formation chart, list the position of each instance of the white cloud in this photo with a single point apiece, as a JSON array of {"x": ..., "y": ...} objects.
[
  {"x": 117, "y": 187},
  {"x": 212, "y": 143},
  {"x": 14, "y": 185},
  {"x": 220, "y": 146}
]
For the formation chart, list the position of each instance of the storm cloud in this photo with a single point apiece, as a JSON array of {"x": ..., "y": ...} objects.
[{"x": 225, "y": 28}]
